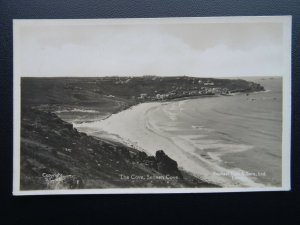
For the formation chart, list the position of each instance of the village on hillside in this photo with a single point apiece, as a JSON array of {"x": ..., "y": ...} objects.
[{"x": 154, "y": 88}]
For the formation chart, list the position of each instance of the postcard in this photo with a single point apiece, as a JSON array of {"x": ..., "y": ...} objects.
[{"x": 152, "y": 105}]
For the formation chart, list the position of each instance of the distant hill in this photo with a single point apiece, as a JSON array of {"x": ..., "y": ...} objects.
[{"x": 109, "y": 90}]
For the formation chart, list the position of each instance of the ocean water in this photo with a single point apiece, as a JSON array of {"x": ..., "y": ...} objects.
[{"x": 233, "y": 141}]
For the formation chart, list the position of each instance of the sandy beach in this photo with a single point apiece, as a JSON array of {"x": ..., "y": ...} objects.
[{"x": 232, "y": 141}]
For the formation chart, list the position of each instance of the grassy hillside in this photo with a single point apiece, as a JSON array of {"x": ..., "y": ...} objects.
[
  {"x": 109, "y": 90},
  {"x": 54, "y": 155}
]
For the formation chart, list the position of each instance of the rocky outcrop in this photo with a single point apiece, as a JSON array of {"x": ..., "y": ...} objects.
[
  {"x": 160, "y": 162},
  {"x": 166, "y": 165}
]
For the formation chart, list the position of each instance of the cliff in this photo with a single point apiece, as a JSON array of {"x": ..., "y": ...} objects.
[{"x": 54, "y": 155}]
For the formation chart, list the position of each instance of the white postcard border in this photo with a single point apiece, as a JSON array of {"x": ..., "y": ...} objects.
[{"x": 286, "y": 129}]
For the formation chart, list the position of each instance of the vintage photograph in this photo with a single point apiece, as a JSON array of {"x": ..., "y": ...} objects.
[{"x": 165, "y": 105}]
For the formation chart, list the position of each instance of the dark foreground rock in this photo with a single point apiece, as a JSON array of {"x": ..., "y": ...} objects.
[{"x": 166, "y": 165}]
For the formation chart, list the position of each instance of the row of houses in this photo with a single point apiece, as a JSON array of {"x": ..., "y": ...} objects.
[{"x": 183, "y": 93}]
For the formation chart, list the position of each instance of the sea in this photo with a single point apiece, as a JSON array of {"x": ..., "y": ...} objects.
[{"x": 232, "y": 141}]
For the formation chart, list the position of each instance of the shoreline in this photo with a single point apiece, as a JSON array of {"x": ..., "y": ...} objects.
[
  {"x": 161, "y": 101},
  {"x": 139, "y": 142},
  {"x": 176, "y": 100}
]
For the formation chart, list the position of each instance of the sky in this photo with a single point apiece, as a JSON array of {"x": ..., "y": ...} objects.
[{"x": 83, "y": 48}]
